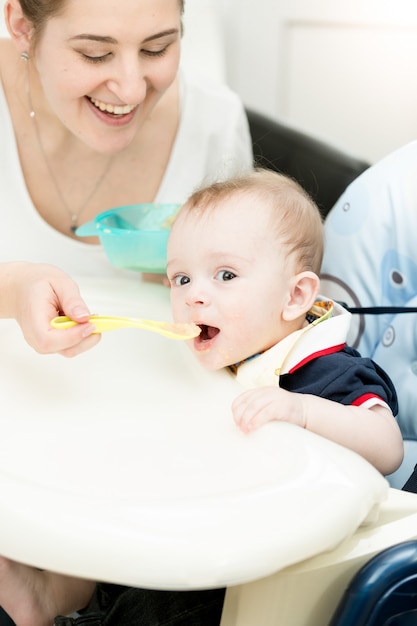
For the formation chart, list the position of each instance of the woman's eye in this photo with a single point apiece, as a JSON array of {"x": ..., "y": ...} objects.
[
  {"x": 100, "y": 59},
  {"x": 225, "y": 275},
  {"x": 180, "y": 280},
  {"x": 155, "y": 53}
]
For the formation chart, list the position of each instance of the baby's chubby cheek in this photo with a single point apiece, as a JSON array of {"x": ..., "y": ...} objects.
[{"x": 176, "y": 311}]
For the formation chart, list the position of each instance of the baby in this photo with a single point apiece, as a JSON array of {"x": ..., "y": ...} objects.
[{"x": 243, "y": 263}]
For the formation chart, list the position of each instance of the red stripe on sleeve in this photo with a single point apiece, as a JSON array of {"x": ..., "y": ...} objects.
[
  {"x": 365, "y": 397},
  {"x": 315, "y": 355}
]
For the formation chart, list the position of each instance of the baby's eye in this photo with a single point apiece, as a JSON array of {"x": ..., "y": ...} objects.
[
  {"x": 224, "y": 275},
  {"x": 180, "y": 280}
]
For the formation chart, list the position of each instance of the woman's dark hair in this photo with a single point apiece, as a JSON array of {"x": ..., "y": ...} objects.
[{"x": 38, "y": 12}]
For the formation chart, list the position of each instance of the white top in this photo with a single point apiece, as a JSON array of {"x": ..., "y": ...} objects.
[
  {"x": 213, "y": 142},
  {"x": 292, "y": 350}
]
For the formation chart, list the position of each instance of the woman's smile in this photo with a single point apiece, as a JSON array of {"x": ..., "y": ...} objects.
[
  {"x": 114, "y": 109},
  {"x": 110, "y": 114}
]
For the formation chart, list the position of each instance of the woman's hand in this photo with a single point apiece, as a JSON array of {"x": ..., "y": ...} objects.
[{"x": 33, "y": 294}]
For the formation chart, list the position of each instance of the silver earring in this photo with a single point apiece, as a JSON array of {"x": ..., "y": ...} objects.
[{"x": 24, "y": 56}]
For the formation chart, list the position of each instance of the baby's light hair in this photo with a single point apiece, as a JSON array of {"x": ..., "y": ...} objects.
[{"x": 294, "y": 214}]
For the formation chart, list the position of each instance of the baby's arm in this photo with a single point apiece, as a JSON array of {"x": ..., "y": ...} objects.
[
  {"x": 371, "y": 432},
  {"x": 34, "y": 598}
]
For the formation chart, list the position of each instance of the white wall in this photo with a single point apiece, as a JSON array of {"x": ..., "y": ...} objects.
[
  {"x": 3, "y": 30},
  {"x": 344, "y": 71}
]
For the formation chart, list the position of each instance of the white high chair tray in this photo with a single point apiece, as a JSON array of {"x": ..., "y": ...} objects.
[{"x": 124, "y": 464}]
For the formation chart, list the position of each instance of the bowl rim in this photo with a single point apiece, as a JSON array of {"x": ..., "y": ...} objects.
[{"x": 100, "y": 217}]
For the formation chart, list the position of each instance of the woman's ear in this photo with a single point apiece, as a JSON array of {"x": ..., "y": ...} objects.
[
  {"x": 19, "y": 27},
  {"x": 304, "y": 288}
]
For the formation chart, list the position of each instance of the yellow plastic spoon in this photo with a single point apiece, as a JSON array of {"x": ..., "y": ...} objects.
[{"x": 104, "y": 323}]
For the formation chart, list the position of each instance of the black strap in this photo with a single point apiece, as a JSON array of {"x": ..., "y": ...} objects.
[
  {"x": 378, "y": 310},
  {"x": 411, "y": 484},
  {"x": 92, "y": 619}
]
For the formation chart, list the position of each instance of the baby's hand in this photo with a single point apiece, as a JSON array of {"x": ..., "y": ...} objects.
[{"x": 258, "y": 406}]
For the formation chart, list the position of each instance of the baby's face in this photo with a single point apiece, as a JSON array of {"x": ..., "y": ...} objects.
[{"x": 229, "y": 276}]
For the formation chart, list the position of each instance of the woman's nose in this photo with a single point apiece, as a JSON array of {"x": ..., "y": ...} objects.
[{"x": 128, "y": 81}]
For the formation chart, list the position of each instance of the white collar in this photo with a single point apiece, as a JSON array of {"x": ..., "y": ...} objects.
[{"x": 326, "y": 332}]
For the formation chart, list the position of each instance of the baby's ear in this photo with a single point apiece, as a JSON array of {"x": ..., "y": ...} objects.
[
  {"x": 304, "y": 288},
  {"x": 19, "y": 27}
]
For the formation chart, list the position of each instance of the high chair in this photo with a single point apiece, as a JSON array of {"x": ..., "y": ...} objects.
[
  {"x": 384, "y": 591},
  {"x": 370, "y": 260},
  {"x": 305, "y": 593}
]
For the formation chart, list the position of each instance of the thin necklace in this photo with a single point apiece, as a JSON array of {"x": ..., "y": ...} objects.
[{"x": 74, "y": 216}]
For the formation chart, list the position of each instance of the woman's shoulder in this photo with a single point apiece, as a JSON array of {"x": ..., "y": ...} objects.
[{"x": 208, "y": 94}]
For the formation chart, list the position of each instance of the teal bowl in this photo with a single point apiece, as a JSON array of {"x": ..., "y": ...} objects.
[{"x": 134, "y": 237}]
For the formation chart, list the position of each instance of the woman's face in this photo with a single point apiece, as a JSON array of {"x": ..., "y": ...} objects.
[{"x": 103, "y": 66}]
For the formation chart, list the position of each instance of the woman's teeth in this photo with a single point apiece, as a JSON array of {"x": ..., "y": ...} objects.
[{"x": 113, "y": 108}]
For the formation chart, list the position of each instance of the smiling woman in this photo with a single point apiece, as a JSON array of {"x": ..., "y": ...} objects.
[
  {"x": 101, "y": 113},
  {"x": 95, "y": 113}
]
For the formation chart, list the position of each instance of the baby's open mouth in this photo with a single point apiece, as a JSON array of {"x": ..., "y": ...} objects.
[{"x": 207, "y": 332}]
